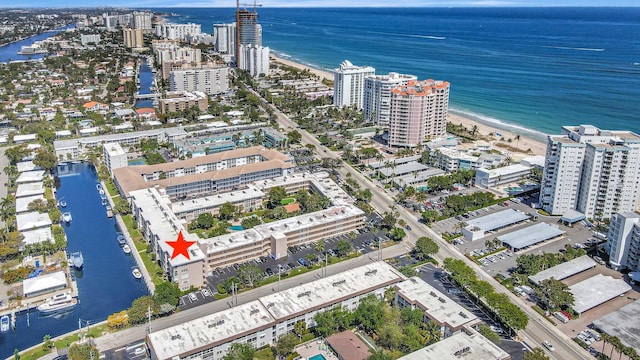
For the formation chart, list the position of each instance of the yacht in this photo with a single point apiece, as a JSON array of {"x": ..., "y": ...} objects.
[
  {"x": 62, "y": 203},
  {"x": 77, "y": 261},
  {"x": 57, "y": 303},
  {"x": 66, "y": 217},
  {"x": 4, "y": 323},
  {"x": 104, "y": 202},
  {"x": 99, "y": 187},
  {"x": 136, "y": 273},
  {"x": 126, "y": 249},
  {"x": 121, "y": 240}
]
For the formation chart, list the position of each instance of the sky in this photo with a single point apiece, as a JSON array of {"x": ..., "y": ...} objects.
[{"x": 318, "y": 3}]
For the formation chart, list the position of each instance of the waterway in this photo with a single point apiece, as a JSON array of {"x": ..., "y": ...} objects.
[
  {"x": 146, "y": 82},
  {"x": 9, "y": 52},
  {"x": 105, "y": 285}
]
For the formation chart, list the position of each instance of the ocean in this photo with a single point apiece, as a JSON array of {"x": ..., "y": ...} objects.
[{"x": 529, "y": 70}]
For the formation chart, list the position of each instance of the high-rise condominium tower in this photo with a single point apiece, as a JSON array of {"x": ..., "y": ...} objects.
[
  {"x": 593, "y": 171},
  {"x": 348, "y": 84},
  {"x": 377, "y": 96},
  {"x": 418, "y": 112}
]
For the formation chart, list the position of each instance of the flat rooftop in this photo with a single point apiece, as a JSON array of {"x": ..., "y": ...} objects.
[
  {"x": 530, "y": 235},
  {"x": 330, "y": 290},
  {"x": 380, "y": 164},
  {"x": 564, "y": 270},
  {"x": 209, "y": 330},
  {"x": 437, "y": 305},
  {"x": 401, "y": 169},
  {"x": 498, "y": 220},
  {"x": 596, "y": 290},
  {"x": 617, "y": 324},
  {"x": 460, "y": 346},
  {"x": 213, "y": 201},
  {"x": 506, "y": 170}
]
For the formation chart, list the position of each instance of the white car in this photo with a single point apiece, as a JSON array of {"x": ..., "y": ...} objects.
[
  {"x": 193, "y": 297},
  {"x": 548, "y": 345},
  {"x": 205, "y": 292}
]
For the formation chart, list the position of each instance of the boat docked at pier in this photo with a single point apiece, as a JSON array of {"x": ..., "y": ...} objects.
[
  {"x": 58, "y": 303},
  {"x": 66, "y": 217},
  {"x": 5, "y": 323},
  {"x": 77, "y": 260},
  {"x": 126, "y": 248},
  {"x": 136, "y": 273}
]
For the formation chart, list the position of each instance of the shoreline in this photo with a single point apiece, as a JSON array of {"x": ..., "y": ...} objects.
[{"x": 524, "y": 138}]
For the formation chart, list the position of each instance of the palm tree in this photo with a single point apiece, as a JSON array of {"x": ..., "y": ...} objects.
[
  {"x": 517, "y": 139},
  {"x": 319, "y": 246},
  {"x": 474, "y": 130},
  {"x": 432, "y": 332}
]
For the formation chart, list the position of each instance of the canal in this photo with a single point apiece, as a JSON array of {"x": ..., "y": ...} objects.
[
  {"x": 105, "y": 285},
  {"x": 10, "y": 51},
  {"x": 146, "y": 82}
]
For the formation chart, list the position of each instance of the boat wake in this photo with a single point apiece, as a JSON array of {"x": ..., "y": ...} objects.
[
  {"x": 428, "y": 37},
  {"x": 575, "y": 48}
]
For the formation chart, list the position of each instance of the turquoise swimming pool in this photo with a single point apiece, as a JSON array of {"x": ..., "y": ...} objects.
[
  {"x": 137, "y": 162},
  {"x": 318, "y": 357},
  {"x": 237, "y": 227}
]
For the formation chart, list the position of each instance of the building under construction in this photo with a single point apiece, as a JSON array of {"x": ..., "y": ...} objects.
[{"x": 248, "y": 31}]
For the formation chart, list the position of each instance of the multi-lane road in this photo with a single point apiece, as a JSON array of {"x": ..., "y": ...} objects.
[{"x": 537, "y": 331}]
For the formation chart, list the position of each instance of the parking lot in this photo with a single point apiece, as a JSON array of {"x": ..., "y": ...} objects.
[
  {"x": 133, "y": 351},
  {"x": 438, "y": 279},
  {"x": 504, "y": 261}
]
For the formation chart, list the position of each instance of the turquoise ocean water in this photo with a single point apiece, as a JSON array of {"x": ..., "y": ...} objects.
[{"x": 519, "y": 68}]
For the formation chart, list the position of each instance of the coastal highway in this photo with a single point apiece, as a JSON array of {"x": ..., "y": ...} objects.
[{"x": 538, "y": 329}]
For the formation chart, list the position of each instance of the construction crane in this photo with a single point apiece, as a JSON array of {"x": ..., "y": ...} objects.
[{"x": 255, "y": 5}]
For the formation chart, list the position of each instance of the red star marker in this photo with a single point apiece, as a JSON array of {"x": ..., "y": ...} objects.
[{"x": 180, "y": 246}]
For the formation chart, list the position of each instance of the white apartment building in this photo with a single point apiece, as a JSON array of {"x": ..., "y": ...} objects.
[
  {"x": 209, "y": 80},
  {"x": 225, "y": 38},
  {"x": 255, "y": 59},
  {"x": 418, "y": 112},
  {"x": 450, "y": 316},
  {"x": 486, "y": 178},
  {"x": 261, "y": 322},
  {"x": 593, "y": 171},
  {"x": 623, "y": 241},
  {"x": 86, "y": 39},
  {"x": 183, "y": 32},
  {"x": 114, "y": 156},
  {"x": 172, "y": 51},
  {"x": 142, "y": 20},
  {"x": 377, "y": 96},
  {"x": 73, "y": 149},
  {"x": 348, "y": 82}
]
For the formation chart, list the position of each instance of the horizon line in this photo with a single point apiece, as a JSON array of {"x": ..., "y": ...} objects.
[{"x": 502, "y": 6}]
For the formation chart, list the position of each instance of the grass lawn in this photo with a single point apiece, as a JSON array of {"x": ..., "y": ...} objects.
[
  {"x": 152, "y": 267},
  {"x": 287, "y": 201},
  {"x": 62, "y": 343},
  {"x": 111, "y": 188},
  {"x": 265, "y": 354}
]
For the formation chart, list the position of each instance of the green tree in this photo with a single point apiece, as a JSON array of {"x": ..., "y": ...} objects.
[
  {"x": 46, "y": 136},
  {"x": 325, "y": 323},
  {"x": 276, "y": 194},
  {"x": 390, "y": 336},
  {"x": 167, "y": 292},
  {"x": 47, "y": 344},
  {"x": 227, "y": 211},
  {"x": 397, "y": 233},
  {"x": 205, "y": 221},
  {"x": 16, "y": 354},
  {"x": 294, "y": 137},
  {"x": 319, "y": 246},
  {"x": 138, "y": 312},
  {"x": 240, "y": 351},
  {"x": 344, "y": 248},
  {"x": 83, "y": 352},
  {"x": 250, "y": 274},
  {"x": 536, "y": 354},
  {"x": 486, "y": 331},
  {"x": 554, "y": 293},
  {"x": 285, "y": 344},
  {"x": 38, "y": 205},
  {"x": 389, "y": 220},
  {"x": 370, "y": 313},
  {"x": 379, "y": 354},
  {"x": 425, "y": 247},
  {"x": 300, "y": 328},
  {"x": 46, "y": 159},
  {"x": 121, "y": 206}
]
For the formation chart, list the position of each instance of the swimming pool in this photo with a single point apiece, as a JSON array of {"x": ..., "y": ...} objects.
[
  {"x": 237, "y": 227},
  {"x": 137, "y": 162},
  {"x": 318, "y": 357}
]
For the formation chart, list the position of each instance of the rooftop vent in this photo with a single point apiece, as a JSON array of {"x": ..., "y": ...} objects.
[
  {"x": 340, "y": 282},
  {"x": 462, "y": 314},
  {"x": 433, "y": 294},
  {"x": 442, "y": 300},
  {"x": 371, "y": 272}
]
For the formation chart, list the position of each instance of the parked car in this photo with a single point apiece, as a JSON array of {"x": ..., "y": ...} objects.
[
  {"x": 205, "y": 292},
  {"x": 193, "y": 297},
  {"x": 548, "y": 345},
  {"x": 269, "y": 272},
  {"x": 302, "y": 262},
  {"x": 598, "y": 260}
]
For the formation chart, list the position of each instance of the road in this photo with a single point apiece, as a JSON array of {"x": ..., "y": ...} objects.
[{"x": 538, "y": 329}]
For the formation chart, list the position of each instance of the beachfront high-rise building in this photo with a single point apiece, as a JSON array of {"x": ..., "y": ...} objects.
[
  {"x": 142, "y": 21},
  {"x": 133, "y": 38},
  {"x": 184, "y": 32},
  {"x": 348, "y": 82},
  {"x": 248, "y": 31},
  {"x": 593, "y": 171},
  {"x": 623, "y": 241},
  {"x": 377, "y": 96},
  {"x": 255, "y": 59},
  {"x": 225, "y": 38},
  {"x": 418, "y": 112},
  {"x": 209, "y": 80}
]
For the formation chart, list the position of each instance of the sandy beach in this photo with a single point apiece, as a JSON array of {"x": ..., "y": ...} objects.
[{"x": 519, "y": 148}]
